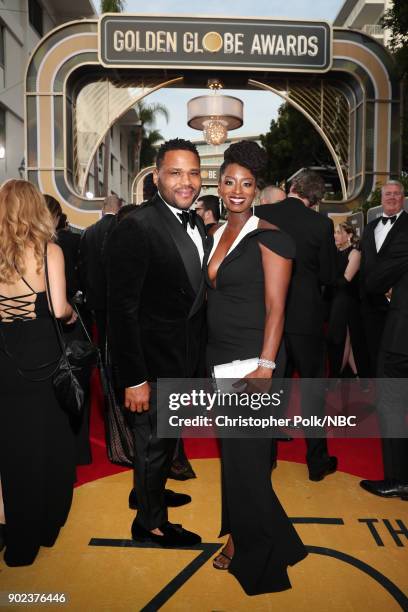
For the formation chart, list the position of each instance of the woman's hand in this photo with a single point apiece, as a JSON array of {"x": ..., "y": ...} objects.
[
  {"x": 258, "y": 381},
  {"x": 71, "y": 318}
]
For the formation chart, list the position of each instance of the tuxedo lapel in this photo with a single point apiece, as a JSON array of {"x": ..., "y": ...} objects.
[
  {"x": 371, "y": 238},
  {"x": 393, "y": 231},
  {"x": 201, "y": 229},
  {"x": 184, "y": 244}
]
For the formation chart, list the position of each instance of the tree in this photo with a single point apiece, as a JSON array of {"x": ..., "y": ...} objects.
[
  {"x": 112, "y": 6},
  {"x": 148, "y": 150},
  {"x": 292, "y": 143},
  {"x": 396, "y": 20},
  {"x": 147, "y": 114}
]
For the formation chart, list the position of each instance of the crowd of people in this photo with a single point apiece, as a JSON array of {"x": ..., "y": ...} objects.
[{"x": 172, "y": 292}]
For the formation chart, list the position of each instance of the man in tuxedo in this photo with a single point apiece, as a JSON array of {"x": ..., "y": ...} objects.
[
  {"x": 315, "y": 265},
  {"x": 208, "y": 208},
  {"x": 381, "y": 238},
  {"x": 156, "y": 317},
  {"x": 387, "y": 278},
  {"x": 92, "y": 266}
]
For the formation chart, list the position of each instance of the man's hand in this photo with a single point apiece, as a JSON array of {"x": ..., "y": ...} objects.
[{"x": 137, "y": 398}]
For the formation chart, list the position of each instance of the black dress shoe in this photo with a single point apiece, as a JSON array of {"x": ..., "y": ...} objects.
[
  {"x": 328, "y": 468},
  {"x": 386, "y": 488},
  {"x": 171, "y": 499},
  {"x": 173, "y": 535}
]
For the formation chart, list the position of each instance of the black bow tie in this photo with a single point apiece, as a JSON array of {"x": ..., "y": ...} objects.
[
  {"x": 188, "y": 216},
  {"x": 386, "y": 219}
]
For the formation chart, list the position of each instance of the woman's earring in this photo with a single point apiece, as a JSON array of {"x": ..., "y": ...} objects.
[{"x": 220, "y": 206}]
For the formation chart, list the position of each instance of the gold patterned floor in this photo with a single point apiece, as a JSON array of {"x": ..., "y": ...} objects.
[{"x": 358, "y": 545}]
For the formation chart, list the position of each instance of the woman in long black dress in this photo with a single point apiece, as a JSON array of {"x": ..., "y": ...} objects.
[
  {"x": 248, "y": 274},
  {"x": 345, "y": 336},
  {"x": 36, "y": 446}
]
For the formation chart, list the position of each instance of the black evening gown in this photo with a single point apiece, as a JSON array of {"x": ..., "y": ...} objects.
[
  {"x": 36, "y": 444},
  {"x": 345, "y": 313},
  {"x": 265, "y": 541}
]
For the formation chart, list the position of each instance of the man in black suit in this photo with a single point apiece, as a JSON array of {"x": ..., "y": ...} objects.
[
  {"x": 156, "y": 316},
  {"x": 380, "y": 239},
  {"x": 387, "y": 277},
  {"x": 92, "y": 265},
  {"x": 315, "y": 265},
  {"x": 208, "y": 207}
]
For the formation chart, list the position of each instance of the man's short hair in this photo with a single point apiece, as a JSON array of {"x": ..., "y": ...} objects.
[
  {"x": 309, "y": 185},
  {"x": 112, "y": 203},
  {"x": 176, "y": 144},
  {"x": 394, "y": 182},
  {"x": 271, "y": 194},
  {"x": 212, "y": 203},
  {"x": 149, "y": 188}
]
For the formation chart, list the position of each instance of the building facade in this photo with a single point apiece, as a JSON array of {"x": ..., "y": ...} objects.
[
  {"x": 365, "y": 15},
  {"x": 22, "y": 25}
]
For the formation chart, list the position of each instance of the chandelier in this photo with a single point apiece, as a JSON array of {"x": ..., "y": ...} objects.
[{"x": 215, "y": 114}]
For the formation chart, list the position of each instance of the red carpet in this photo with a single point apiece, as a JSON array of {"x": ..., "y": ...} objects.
[{"x": 359, "y": 457}]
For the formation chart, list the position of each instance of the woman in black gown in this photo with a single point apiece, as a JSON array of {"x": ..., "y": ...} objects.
[
  {"x": 248, "y": 273},
  {"x": 345, "y": 336},
  {"x": 36, "y": 446}
]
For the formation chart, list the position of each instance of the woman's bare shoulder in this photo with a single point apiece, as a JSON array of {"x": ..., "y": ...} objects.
[
  {"x": 354, "y": 254},
  {"x": 54, "y": 251},
  {"x": 266, "y": 225}
]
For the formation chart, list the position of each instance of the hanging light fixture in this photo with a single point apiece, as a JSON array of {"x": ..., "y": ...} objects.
[{"x": 215, "y": 114}]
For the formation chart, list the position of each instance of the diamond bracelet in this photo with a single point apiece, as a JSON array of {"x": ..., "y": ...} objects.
[{"x": 266, "y": 363}]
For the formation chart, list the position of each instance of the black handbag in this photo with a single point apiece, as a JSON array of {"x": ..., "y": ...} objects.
[
  {"x": 75, "y": 355},
  {"x": 119, "y": 437}
]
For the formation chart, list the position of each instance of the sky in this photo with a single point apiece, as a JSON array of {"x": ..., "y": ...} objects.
[{"x": 260, "y": 107}]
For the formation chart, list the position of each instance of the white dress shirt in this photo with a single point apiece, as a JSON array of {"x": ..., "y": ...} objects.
[
  {"x": 193, "y": 233},
  {"x": 382, "y": 229}
]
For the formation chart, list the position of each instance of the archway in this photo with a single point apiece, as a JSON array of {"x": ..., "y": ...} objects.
[{"x": 360, "y": 75}]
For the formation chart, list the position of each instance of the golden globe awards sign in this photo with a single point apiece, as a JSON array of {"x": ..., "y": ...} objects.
[{"x": 211, "y": 42}]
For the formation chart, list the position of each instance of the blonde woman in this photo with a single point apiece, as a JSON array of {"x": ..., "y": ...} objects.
[{"x": 36, "y": 447}]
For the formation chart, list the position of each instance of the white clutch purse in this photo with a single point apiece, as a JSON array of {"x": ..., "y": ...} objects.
[{"x": 235, "y": 370}]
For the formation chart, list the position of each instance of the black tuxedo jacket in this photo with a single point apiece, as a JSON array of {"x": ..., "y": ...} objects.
[
  {"x": 391, "y": 271},
  {"x": 91, "y": 264},
  {"x": 69, "y": 243},
  {"x": 382, "y": 269},
  {"x": 314, "y": 266},
  {"x": 155, "y": 296}
]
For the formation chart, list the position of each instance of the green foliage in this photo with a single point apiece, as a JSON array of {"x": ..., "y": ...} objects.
[
  {"x": 292, "y": 143},
  {"x": 148, "y": 151},
  {"x": 396, "y": 20},
  {"x": 112, "y": 6},
  {"x": 147, "y": 113},
  {"x": 144, "y": 138}
]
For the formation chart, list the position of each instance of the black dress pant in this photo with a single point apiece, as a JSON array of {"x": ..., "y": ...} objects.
[
  {"x": 374, "y": 323},
  {"x": 392, "y": 409},
  {"x": 152, "y": 460},
  {"x": 306, "y": 356},
  {"x": 101, "y": 326}
]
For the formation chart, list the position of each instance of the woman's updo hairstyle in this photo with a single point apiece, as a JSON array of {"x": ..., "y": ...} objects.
[{"x": 246, "y": 153}]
